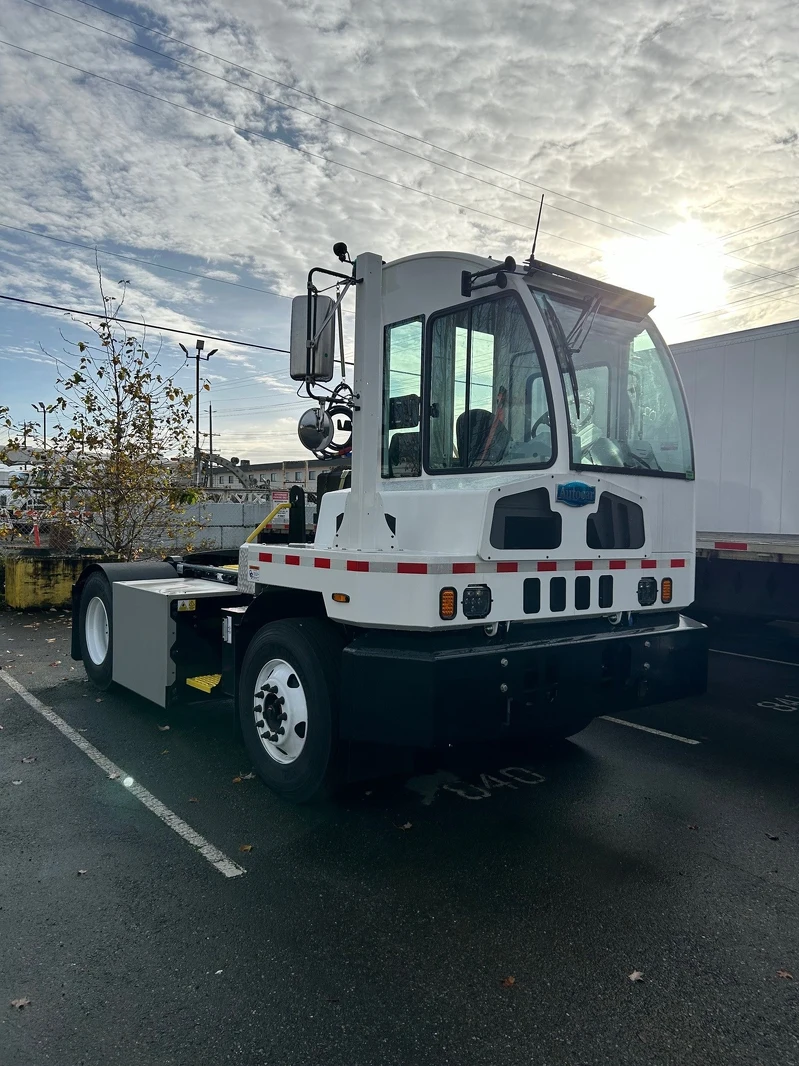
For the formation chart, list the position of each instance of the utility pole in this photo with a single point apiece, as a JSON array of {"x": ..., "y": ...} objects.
[
  {"x": 211, "y": 445},
  {"x": 199, "y": 345}
]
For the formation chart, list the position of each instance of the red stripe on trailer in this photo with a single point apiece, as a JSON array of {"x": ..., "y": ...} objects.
[
  {"x": 731, "y": 545},
  {"x": 292, "y": 560},
  {"x": 547, "y": 566},
  {"x": 322, "y": 564},
  {"x": 618, "y": 564},
  {"x": 264, "y": 557},
  {"x": 507, "y": 568},
  {"x": 411, "y": 568},
  {"x": 648, "y": 564},
  {"x": 463, "y": 568},
  {"x": 584, "y": 564},
  {"x": 358, "y": 564},
  {"x": 678, "y": 562}
]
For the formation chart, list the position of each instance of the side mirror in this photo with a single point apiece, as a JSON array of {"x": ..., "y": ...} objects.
[{"x": 313, "y": 344}]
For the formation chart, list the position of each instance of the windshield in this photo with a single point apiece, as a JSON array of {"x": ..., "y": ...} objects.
[
  {"x": 481, "y": 410},
  {"x": 625, "y": 405}
]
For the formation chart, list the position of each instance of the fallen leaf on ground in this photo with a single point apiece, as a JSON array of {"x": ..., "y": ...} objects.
[
  {"x": 56, "y": 663},
  {"x": 636, "y": 975},
  {"x": 16, "y": 782},
  {"x": 508, "y": 982},
  {"x": 246, "y": 847},
  {"x": 99, "y": 699},
  {"x": 29, "y": 758},
  {"x": 247, "y": 777},
  {"x": 51, "y": 640},
  {"x": 217, "y": 972},
  {"x": 772, "y": 836},
  {"x": 163, "y": 728},
  {"x": 165, "y": 751},
  {"x": 693, "y": 826},
  {"x": 406, "y": 825},
  {"x": 82, "y": 872},
  {"x": 236, "y": 780},
  {"x": 193, "y": 799},
  {"x": 113, "y": 777},
  {"x": 20, "y": 1004},
  {"x": 785, "y": 974}
]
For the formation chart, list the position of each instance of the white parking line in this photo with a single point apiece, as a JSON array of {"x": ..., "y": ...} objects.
[
  {"x": 648, "y": 729},
  {"x": 216, "y": 858},
  {"x": 759, "y": 658}
]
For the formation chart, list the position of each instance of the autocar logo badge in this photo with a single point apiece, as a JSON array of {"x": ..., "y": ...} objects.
[{"x": 576, "y": 494}]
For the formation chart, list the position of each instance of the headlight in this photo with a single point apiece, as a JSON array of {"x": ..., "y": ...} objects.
[
  {"x": 647, "y": 591},
  {"x": 476, "y": 601}
]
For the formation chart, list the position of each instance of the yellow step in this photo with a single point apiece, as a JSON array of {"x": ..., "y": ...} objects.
[{"x": 205, "y": 682}]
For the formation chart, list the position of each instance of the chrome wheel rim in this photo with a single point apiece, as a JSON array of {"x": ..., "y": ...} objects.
[
  {"x": 281, "y": 711},
  {"x": 96, "y": 631}
]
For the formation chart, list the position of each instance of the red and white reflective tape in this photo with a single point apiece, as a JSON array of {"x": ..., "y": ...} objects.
[{"x": 363, "y": 566}]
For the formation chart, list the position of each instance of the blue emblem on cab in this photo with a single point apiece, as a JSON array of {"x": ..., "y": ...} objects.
[{"x": 576, "y": 494}]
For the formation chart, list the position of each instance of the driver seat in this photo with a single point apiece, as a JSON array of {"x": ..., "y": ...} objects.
[{"x": 488, "y": 437}]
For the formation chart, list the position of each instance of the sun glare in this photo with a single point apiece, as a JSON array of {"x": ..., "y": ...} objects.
[{"x": 683, "y": 271}]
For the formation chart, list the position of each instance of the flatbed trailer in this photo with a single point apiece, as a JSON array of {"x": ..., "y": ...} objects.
[{"x": 509, "y": 562}]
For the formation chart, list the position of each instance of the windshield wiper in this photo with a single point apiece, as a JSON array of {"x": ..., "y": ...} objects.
[
  {"x": 562, "y": 349},
  {"x": 581, "y": 328}
]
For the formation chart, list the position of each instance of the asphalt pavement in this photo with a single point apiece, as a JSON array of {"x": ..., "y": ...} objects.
[{"x": 487, "y": 912}]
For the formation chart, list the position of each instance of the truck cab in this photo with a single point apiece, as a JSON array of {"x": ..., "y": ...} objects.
[{"x": 516, "y": 542}]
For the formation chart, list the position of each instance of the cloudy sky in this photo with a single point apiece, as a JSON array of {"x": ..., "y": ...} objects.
[{"x": 212, "y": 152}]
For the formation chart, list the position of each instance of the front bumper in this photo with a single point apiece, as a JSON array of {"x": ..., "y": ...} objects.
[{"x": 432, "y": 689}]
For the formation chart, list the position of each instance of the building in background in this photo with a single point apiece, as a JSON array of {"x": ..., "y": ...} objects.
[{"x": 280, "y": 475}]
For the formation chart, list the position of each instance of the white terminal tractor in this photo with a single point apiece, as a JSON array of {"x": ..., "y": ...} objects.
[{"x": 502, "y": 553}]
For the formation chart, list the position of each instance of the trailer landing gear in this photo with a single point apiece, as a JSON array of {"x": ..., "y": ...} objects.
[{"x": 288, "y": 706}]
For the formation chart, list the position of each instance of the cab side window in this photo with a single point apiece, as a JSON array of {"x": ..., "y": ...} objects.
[{"x": 402, "y": 391}]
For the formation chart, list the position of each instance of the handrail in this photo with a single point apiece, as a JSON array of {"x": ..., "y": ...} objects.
[{"x": 272, "y": 514}]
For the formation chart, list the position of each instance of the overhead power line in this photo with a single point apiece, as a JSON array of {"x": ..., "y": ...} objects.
[
  {"x": 392, "y": 129},
  {"x": 330, "y": 122},
  {"x": 365, "y": 118},
  {"x": 110, "y": 317},
  {"x": 142, "y": 262},
  {"x": 295, "y": 148}
]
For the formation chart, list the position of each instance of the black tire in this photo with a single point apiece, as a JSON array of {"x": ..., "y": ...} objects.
[
  {"x": 312, "y": 647},
  {"x": 97, "y": 586},
  {"x": 565, "y": 725}
]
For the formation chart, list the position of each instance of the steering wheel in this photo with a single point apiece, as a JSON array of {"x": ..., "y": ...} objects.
[{"x": 542, "y": 420}]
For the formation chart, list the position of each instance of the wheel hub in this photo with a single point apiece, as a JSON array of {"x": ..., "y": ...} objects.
[{"x": 280, "y": 711}]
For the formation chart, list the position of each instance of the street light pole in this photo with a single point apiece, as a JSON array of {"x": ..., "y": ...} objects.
[
  {"x": 211, "y": 445},
  {"x": 199, "y": 346},
  {"x": 42, "y": 409}
]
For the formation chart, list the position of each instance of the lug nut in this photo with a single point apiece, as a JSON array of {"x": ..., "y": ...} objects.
[
  {"x": 503, "y": 687},
  {"x": 503, "y": 662}
]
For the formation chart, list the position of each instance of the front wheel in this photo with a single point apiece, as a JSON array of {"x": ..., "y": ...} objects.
[
  {"x": 288, "y": 706},
  {"x": 95, "y": 630}
]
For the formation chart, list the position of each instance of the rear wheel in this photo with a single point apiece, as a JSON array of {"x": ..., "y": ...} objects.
[
  {"x": 566, "y": 725},
  {"x": 288, "y": 706},
  {"x": 95, "y": 629}
]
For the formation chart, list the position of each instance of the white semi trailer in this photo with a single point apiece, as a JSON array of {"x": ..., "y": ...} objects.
[
  {"x": 509, "y": 561},
  {"x": 743, "y": 394}
]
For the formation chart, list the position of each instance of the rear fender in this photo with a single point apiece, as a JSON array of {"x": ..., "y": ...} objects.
[{"x": 144, "y": 571}]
